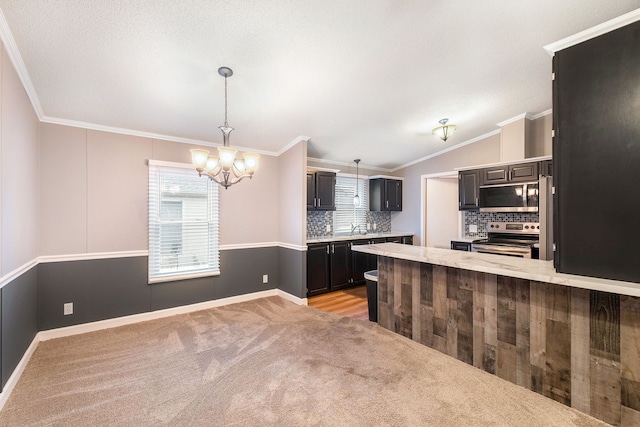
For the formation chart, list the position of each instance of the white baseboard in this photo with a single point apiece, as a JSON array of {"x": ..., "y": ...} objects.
[
  {"x": 128, "y": 320},
  {"x": 15, "y": 376},
  {"x": 158, "y": 314}
]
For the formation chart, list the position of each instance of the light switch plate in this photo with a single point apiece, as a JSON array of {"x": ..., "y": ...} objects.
[
  {"x": 328, "y": 228},
  {"x": 473, "y": 228},
  {"x": 68, "y": 308}
]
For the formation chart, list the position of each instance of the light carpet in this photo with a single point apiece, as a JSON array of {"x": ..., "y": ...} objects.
[{"x": 264, "y": 362}]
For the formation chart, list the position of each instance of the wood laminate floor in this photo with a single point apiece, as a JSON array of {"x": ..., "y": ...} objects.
[{"x": 348, "y": 302}]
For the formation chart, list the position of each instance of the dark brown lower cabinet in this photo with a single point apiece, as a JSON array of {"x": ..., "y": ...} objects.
[
  {"x": 360, "y": 263},
  {"x": 340, "y": 271},
  {"x": 333, "y": 265},
  {"x": 317, "y": 268}
]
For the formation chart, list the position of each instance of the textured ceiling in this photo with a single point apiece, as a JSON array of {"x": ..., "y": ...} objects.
[{"x": 363, "y": 79}]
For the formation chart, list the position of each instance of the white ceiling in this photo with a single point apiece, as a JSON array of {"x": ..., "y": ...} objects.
[{"x": 363, "y": 79}]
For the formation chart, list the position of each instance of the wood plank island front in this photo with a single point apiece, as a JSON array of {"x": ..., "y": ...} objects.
[{"x": 573, "y": 339}]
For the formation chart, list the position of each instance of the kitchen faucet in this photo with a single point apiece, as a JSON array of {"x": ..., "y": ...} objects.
[{"x": 353, "y": 228}]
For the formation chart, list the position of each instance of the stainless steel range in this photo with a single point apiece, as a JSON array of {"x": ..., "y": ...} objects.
[{"x": 517, "y": 239}]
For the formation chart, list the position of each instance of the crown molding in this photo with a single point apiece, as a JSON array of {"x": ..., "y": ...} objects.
[
  {"x": 348, "y": 164},
  {"x": 515, "y": 119},
  {"x": 542, "y": 114},
  {"x": 292, "y": 143},
  {"x": 589, "y": 33},
  {"x": 18, "y": 64}
]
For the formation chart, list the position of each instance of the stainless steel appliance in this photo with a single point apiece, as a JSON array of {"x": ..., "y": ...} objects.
[
  {"x": 517, "y": 239},
  {"x": 520, "y": 197}
]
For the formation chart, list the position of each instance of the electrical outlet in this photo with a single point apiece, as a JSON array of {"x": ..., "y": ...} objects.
[
  {"x": 68, "y": 308},
  {"x": 328, "y": 228},
  {"x": 265, "y": 278},
  {"x": 473, "y": 228}
]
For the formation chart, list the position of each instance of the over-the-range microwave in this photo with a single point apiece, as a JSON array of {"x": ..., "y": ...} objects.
[{"x": 520, "y": 197}]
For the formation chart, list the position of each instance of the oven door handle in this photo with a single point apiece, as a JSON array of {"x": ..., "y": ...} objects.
[{"x": 493, "y": 249}]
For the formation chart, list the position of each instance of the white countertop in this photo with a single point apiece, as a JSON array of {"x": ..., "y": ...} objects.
[
  {"x": 468, "y": 239},
  {"x": 530, "y": 269},
  {"x": 349, "y": 236}
]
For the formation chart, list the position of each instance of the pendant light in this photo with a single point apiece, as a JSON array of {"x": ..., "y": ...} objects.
[
  {"x": 356, "y": 198},
  {"x": 225, "y": 169},
  {"x": 444, "y": 131}
]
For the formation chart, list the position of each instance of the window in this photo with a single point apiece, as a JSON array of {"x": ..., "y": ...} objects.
[
  {"x": 345, "y": 213},
  {"x": 183, "y": 223}
]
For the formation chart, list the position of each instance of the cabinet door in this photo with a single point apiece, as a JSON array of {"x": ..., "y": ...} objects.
[
  {"x": 311, "y": 191},
  {"x": 325, "y": 191},
  {"x": 340, "y": 265},
  {"x": 468, "y": 190},
  {"x": 523, "y": 172},
  {"x": 317, "y": 269},
  {"x": 376, "y": 195},
  {"x": 394, "y": 239},
  {"x": 494, "y": 175},
  {"x": 393, "y": 192},
  {"x": 461, "y": 246},
  {"x": 407, "y": 240},
  {"x": 360, "y": 263}
]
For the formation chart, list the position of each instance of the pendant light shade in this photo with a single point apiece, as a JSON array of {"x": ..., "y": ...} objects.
[{"x": 444, "y": 131}]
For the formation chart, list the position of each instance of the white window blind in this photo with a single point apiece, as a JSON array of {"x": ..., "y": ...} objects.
[
  {"x": 345, "y": 213},
  {"x": 183, "y": 224}
]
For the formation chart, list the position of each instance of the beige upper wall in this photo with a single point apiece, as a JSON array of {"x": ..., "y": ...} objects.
[
  {"x": 63, "y": 195},
  {"x": 292, "y": 189},
  {"x": 95, "y": 193},
  {"x": 19, "y": 172},
  {"x": 481, "y": 152},
  {"x": 485, "y": 151},
  {"x": 540, "y": 137}
]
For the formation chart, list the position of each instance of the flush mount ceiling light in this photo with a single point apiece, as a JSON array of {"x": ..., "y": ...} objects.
[
  {"x": 444, "y": 131},
  {"x": 356, "y": 198},
  {"x": 225, "y": 169}
]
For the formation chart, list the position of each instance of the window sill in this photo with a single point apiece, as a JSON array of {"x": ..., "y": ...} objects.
[{"x": 176, "y": 277}]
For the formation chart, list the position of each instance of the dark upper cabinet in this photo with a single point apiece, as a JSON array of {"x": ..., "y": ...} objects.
[
  {"x": 523, "y": 172},
  {"x": 321, "y": 191},
  {"x": 468, "y": 184},
  {"x": 311, "y": 191},
  {"x": 509, "y": 173},
  {"x": 597, "y": 125},
  {"x": 385, "y": 194},
  {"x": 317, "y": 268},
  {"x": 340, "y": 264}
]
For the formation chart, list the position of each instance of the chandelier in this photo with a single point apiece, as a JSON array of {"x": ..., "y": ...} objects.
[
  {"x": 224, "y": 168},
  {"x": 444, "y": 131}
]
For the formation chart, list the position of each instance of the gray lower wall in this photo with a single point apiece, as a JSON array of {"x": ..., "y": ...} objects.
[
  {"x": 293, "y": 272},
  {"x": 19, "y": 320},
  {"x": 107, "y": 288}
]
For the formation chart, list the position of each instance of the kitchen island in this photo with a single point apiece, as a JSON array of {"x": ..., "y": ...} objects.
[{"x": 573, "y": 339}]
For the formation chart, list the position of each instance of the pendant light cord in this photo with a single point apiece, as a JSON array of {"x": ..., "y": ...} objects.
[{"x": 225, "y": 102}]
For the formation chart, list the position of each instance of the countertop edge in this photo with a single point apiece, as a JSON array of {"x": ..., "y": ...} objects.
[
  {"x": 324, "y": 239},
  {"x": 529, "y": 269}
]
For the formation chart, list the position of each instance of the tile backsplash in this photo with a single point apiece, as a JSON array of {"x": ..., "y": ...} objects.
[
  {"x": 317, "y": 222},
  {"x": 481, "y": 219}
]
